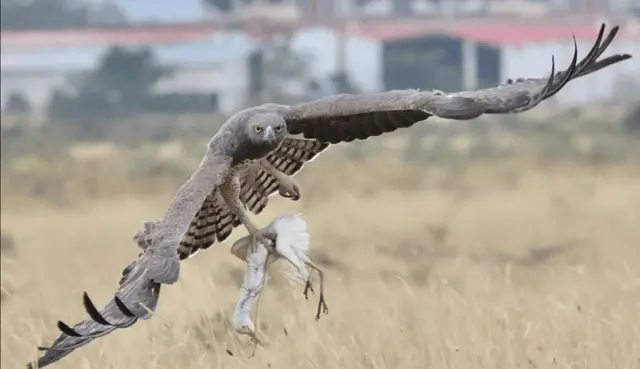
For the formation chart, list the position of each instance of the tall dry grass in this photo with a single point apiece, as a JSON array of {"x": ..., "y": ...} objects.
[{"x": 496, "y": 265}]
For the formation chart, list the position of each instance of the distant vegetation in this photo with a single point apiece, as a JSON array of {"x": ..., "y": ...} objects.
[
  {"x": 632, "y": 121},
  {"x": 58, "y": 163},
  {"x": 119, "y": 88},
  {"x": 59, "y": 14}
]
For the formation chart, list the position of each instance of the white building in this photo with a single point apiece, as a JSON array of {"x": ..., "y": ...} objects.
[
  {"x": 215, "y": 62},
  {"x": 206, "y": 60},
  {"x": 483, "y": 54}
]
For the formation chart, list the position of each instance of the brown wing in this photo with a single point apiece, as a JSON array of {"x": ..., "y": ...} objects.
[
  {"x": 344, "y": 118},
  {"x": 190, "y": 205},
  {"x": 293, "y": 153},
  {"x": 215, "y": 222},
  {"x": 289, "y": 158}
]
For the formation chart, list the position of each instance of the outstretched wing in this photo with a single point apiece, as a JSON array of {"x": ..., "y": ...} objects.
[
  {"x": 136, "y": 298},
  {"x": 344, "y": 118},
  {"x": 215, "y": 222},
  {"x": 138, "y": 292}
]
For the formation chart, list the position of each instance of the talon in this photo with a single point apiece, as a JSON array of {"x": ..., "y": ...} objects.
[
  {"x": 289, "y": 191},
  {"x": 296, "y": 193}
]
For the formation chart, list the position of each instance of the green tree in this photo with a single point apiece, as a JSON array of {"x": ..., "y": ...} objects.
[
  {"x": 57, "y": 14},
  {"x": 282, "y": 74},
  {"x": 120, "y": 87}
]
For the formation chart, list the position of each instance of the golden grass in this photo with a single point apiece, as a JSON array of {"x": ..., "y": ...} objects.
[{"x": 537, "y": 269}]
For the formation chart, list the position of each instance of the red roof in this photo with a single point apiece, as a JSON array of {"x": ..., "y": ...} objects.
[
  {"x": 493, "y": 34},
  {"x": 102, "y": 37}
]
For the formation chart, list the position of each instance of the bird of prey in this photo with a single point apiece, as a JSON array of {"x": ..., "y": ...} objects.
[
  {"x": 257, "y": 150},
  {"x": 255, "y": 154}
]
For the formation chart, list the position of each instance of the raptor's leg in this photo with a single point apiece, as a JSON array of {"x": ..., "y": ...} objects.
[
  {"x": 322, "y": 305},
  {"x": 230, "y": 191},
  {"x": 287, "y": 187}
]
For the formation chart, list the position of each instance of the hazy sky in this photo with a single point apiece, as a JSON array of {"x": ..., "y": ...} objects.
[{"x": 163, "y": 10}]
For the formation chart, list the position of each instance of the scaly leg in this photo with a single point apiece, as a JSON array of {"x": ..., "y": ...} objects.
[
  {"x": 287, "y": 187},
  {"x": 308, "y": 287},
  {"x": 230, "y": 191},
  {"x": 322, "y": 305}
]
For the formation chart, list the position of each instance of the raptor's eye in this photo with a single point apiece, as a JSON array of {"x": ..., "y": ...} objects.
[
  {"x": 278, "y": 128},
  {"x": 258, "y": 129}
]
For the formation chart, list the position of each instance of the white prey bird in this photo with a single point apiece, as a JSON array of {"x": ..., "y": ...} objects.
[{"x": 292, "y": 244}]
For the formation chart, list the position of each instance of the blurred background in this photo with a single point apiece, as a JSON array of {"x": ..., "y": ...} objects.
[{"x": 502, "y": 242}]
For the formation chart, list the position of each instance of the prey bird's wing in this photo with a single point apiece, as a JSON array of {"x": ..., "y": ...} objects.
[{"x": 346, "y": 117}]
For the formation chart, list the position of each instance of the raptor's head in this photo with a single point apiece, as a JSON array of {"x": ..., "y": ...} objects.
[{"x": 267, "y": 128}]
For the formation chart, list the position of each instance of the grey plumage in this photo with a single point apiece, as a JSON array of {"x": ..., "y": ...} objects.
[
  {"x": 136, "y": 298},
  {"x": 255, "y": 153}
]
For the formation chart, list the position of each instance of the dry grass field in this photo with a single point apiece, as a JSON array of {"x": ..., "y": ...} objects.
[{"x": 506, "y": 266}]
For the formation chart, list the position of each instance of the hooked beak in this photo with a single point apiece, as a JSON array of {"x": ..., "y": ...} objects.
[{"x": 269, "y": 134}]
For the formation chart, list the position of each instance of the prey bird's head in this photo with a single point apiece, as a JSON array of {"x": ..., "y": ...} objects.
[{"x": 267, "y": 128}]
